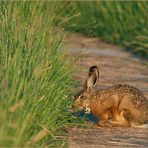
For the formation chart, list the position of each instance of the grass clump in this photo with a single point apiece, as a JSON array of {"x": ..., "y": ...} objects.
[
  {"x": 123, "y": 23},
  {"x": 34, "y": 75}
]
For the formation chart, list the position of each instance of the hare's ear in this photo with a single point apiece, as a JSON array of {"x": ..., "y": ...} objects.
[{"x": 92, "y": 78}]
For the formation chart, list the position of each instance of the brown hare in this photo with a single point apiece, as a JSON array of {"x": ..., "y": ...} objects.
[{"x": 121, "y": 105}]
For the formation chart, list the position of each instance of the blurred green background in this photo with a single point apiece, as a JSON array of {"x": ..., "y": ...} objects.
[{"x": 118, "y": 22}]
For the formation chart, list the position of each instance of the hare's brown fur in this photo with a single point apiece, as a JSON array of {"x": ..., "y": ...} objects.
[{"x": 122, "y": 105}]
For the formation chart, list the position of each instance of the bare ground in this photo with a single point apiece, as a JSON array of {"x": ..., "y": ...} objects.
[{"x": 116, "y": 66}]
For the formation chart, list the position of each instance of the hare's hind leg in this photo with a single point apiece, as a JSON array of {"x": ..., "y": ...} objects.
[{"x": 118, "y": 119}]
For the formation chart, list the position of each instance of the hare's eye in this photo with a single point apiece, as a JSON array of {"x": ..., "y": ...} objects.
[{"x": 81, "y": 97}]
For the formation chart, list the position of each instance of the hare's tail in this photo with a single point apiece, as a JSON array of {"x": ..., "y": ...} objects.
[{"x": 141, "y": 126}]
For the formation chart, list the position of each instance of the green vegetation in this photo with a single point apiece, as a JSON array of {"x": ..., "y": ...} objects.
[
  {"x": 124, "y": 23},
  {"x": 35, "y": 77}
]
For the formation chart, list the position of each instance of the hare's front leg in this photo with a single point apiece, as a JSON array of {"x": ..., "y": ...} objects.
[{"x": 104, "y": 119}]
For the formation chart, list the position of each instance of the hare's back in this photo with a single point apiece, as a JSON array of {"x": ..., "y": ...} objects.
[
  {"x": 131, "y": 95},
  {"x": 121, "y": 90},
  {"x": 126, "y": 89}
]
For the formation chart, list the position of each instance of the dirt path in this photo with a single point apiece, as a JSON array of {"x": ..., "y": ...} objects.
[{"x": 116, "y": 66}]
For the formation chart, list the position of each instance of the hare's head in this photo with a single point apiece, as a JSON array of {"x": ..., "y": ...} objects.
[{"x": 83, "y": 98}]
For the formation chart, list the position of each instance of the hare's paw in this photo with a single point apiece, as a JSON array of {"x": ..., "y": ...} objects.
[
  {"x": 105, "y": 124},
  {"x": 92, "y": 125},
  {"x": 96, "y": 126}
]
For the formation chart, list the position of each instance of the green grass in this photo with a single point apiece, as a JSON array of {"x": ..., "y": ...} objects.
[
  {"x": 124, "y": 23},
  {"x": 35, "y": 77}
]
